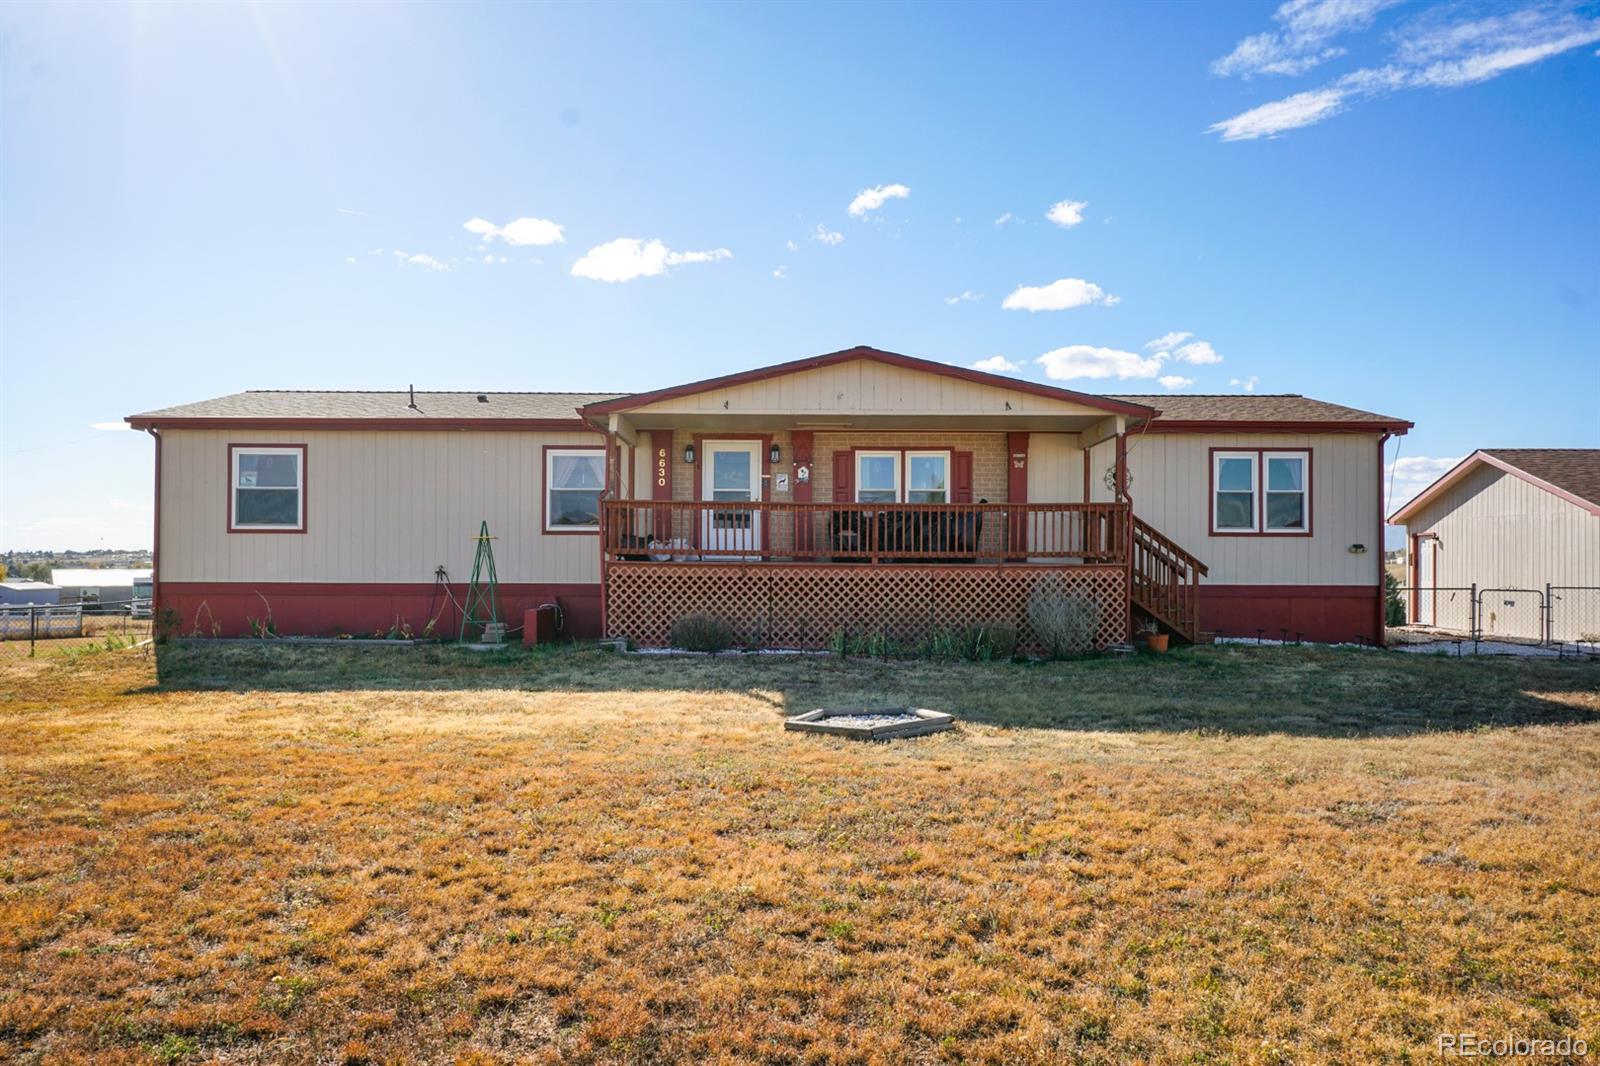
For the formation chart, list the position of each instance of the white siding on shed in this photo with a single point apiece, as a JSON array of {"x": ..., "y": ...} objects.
[
  {"x": 381, "y": 506},
  {"x": 1496, "y": 530}
]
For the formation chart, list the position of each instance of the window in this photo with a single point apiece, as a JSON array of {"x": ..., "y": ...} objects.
[
  {"x": 877, "y": 477},
  {"x": 1234, "y": 508},
  {"x": 268, "y": 488},
  {"x": 1261, "y": 492},
  {"x": 1287, "y": 509},
  {"x": 573, "y": 481},
  {"x": 927, "y": 477}
]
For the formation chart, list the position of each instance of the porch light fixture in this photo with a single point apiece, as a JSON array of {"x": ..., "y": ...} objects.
[
  {"x": 688, "y": 454},
  {"x": 774, "y": 454}
]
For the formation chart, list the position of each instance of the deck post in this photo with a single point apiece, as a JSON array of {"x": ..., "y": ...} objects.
[{"x": 1123, "y": 496}]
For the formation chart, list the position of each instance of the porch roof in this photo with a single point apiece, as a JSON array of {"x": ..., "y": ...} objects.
[{"x": 865, "y": 388}]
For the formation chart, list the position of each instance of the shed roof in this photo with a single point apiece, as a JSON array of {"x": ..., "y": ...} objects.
[
  {"x": 1573, "y": 474},
  {"x": 27, "y": 586}
]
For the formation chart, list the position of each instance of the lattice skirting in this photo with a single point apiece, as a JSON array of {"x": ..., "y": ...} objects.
[{"x": 779, "y": 606}]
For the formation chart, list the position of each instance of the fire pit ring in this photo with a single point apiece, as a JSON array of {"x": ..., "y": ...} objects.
[{"x": 871, "y": 723}]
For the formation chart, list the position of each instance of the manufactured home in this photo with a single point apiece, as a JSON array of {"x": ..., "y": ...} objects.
[
  {"x": 1507, "y": 544},
  {"x": 860, "y": 490}
]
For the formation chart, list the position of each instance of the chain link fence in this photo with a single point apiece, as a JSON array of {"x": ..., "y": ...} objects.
[
  {"x": 39, "y": 630},
  {"x": 1552, "y": 615}
]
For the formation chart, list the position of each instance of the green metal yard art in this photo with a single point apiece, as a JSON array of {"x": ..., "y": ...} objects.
[{"x": 482, "y": 611}]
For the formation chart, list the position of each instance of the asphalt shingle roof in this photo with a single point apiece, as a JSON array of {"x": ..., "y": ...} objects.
[
  {"x": 291, "y": 405},
  {"x": 1575, "y": 470},
  {"x": 1252, "y": 407}
]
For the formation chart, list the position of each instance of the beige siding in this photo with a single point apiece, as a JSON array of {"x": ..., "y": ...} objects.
[
  {"x": 864, "y": 387},
  {"x": 1496, "y": 530},
  {"x": 380, "y": 507},
  {"x": 1171, "y": 490},
  {"x": 1055, "y": 468}
]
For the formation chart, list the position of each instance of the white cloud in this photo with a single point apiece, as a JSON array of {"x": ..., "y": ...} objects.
[
  {"x": 1059, "y": 295},
  {"x": 1087, "y": 361},
  {"x": 791, "y": 246},
  {"x": 376, "y": 251},
  {"x": 1007, "y": 217},
  {"x": 349, "y": 259},
  {"x": 1405, "y": 478},
  {"x": 1175, "y": 381},
  {"x": 520, "y": 232},
  {"x": 963, "y": 298},
  {"x": 1435, "y": 51},
  {"x": 1269, "y": 120},
  {"x": 1067, "y": 213},
  {"x": 1168, "y": 342},
  {"x": 871, "y": 199},
  {"x": 1200, "y": 353},
  {"x": 1303, "y": 42},
  {"x": 109, "y": 427},
  {"x": 421, "y": 259},
  {"x": 1247, "y": 384},
  {"x": 826, "y": 236},
  {"x": 780, "y": 272},
  {"x": 996, "y": 364},
  {"x": 627, "y": 258}
]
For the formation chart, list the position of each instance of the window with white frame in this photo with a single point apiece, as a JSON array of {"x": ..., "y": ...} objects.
[
  {"x": 1261, "y": 491},
  {"x": 1233, "y": 482},
  {"x": 268, "y": 488},
  {"x": 573, "y": 481},
  {"x": 927, "y": 477},
  {"x": 1288, "y": 497},
  {"x": 877, "y": 477}
]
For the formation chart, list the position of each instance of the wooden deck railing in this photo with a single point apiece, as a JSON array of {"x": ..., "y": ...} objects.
[
  {"x": 664, "y": 531},
  {"x": 1166, "y": 580}
]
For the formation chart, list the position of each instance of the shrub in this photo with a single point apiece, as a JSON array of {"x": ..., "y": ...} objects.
[
  {"x": 702, "y": 632},
  {"x": 1394, "y": 604},
  {"x": 1064, "y": 620},
  {"x": 980, "y": 642}
]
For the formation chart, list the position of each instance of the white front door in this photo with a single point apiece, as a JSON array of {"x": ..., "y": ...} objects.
[{"x": 731, "y": 471}]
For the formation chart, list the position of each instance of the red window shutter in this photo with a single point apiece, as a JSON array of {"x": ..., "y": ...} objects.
[
  {"x": 844, "y": 476},
  {"x": 961, "y": 477}
]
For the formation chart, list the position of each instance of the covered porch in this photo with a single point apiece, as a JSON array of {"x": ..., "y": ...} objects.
[{"x": 866, "y": 492}]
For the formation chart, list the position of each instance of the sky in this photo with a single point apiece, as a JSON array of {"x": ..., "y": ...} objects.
[{"x": 1391, "y": 206}]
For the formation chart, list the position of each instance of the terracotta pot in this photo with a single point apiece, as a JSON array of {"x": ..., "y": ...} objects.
[{"x": 1157, "y": 641}]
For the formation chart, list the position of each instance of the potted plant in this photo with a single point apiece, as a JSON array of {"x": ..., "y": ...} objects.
[{"x": 1153, "y": 636}]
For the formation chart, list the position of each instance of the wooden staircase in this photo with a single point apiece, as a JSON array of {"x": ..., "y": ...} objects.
[{"x": 1166, "y": 581}]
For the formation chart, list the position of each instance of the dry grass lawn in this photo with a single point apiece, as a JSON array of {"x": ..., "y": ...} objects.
[{"x": 1228, "y": 855}]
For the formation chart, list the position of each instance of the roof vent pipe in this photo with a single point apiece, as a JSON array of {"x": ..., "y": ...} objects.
[{"x": 411, "y": 391}]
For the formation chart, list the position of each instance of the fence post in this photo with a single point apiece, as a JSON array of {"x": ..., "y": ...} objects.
[
  {"x": 33, "y": 627},
  {"x": 1549, "y": 613},
  {"x": 1472, "y": 614}
]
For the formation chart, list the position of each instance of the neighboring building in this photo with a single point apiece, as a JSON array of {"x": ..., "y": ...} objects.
[
  {"x": 758, "y": 496},
  {"x": 1509, "y": 522},
  {"x": 40, "y": 593},
  {"x": 103, "y": 586}
]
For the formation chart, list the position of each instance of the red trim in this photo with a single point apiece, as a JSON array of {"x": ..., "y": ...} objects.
[
  {"x": 1329, "y": 613},
  {"x": 544, "y": 484},
  {"x": 876, "y": 355},
  {"x": 1162, "y": 425},
  {"x": 804, "y": 443},
  {"x": 1261, "y": 494},
  {"x": 763, "y": 475},
  {"x": 1455, "y": 473},
  {"x": 155, "y": 543},
  {"x": 420, "y": 422},
  {"x": 1382, "y": 549},
  {"x": 305, "y": 488},
  {"x": 331, "y": 608}
]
